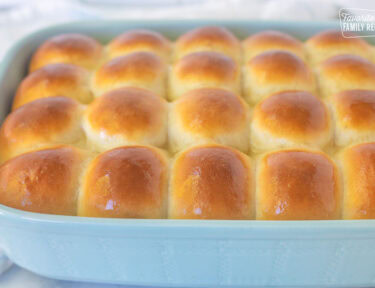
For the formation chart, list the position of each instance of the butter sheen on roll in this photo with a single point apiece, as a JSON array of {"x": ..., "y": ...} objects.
[
  {"x": 275, "y": 71},
  {"x": 290, "y": 119},
  {"x": 358, "y": 169},
  {"x": 330, "y": 43},
  {"x": 208, "y": 115},
  {"x": 205, "y": 69},
  {"x": 44, "y": 181},
  {"x": 138, "y": 69},
  {"x": 77, "y": 49},
  {"x": 345, "y": 72},
  {"x": 354, "y": 114},
  {"x": 126, "y": 116},
  {"x": 297, "y": 185},
  {"x": 209, "y": 38},
  {"x": 140, "y": 40},
  {"x": 271, "y": 40},
  {"x": 54, "y": 80},
  {"x": 126, "y": 182},
  {"x": 41, "y": 123},
  {"x": 211, "y": 182}
]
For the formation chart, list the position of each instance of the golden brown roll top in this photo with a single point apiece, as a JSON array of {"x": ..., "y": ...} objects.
[
  {"x": 290, "y": 118},
  {"x": 126, "y": 116},
  {"x": 138, "y": 69},
  {"x": 357, "y": 164},
  {"x": 54, "y": 80},
  {"x": 271, "y": 40},
  {"x": 126, "y": 182},
  {"x": 332, "y": 42},
  {"x": 204, "y": 70},
  {"x": 275, "y": 71},
  {"x": 208, "y": 115},
  {"x": 43, "y": 122},
  {"x": 45, "y": 181},
  {"x": 209, "y": 38},
  {"x": 77, "y": 49},
  {"x": 140, "y": 40},
  {"x": 208, "y": 180},
  {"x": 211, "y": 182},
  {"x": 345, "y": 72},
  {"x": 354, "y": 114},
  {"x": 297, "y": 185}
]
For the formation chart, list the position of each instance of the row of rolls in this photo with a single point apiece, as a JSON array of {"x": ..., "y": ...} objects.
[
  {"x": 267, "y": 128},
  {"x": 202, "y": 182},
  {"x": 136, "y": 116}
]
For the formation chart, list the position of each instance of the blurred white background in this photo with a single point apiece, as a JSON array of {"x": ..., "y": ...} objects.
[{"x": 20, "y": 17}]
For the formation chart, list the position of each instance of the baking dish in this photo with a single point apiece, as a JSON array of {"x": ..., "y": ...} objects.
[{"x": 181, "y": 252}]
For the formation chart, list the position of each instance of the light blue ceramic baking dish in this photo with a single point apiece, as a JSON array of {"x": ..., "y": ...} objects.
[{"x": 181, "y": 253}]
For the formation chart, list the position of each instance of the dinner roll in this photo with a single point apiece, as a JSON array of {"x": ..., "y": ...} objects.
[
  {"x": 209, "y": 38},
  {"x": 297, "y": 185},
  {"x": 345, "y": 72},
  {"x": 43, "y": 181},
  {"x": 140, "y": 40},
  {"x": 54, "y": 80},
  {"x": 331, "y": 42},
  {"x": 290, "y": 118},
  {"x": 354, "y": 114},
  {"x": 204, "y": 70},
  {"x": 126, "y": 182},
  {"x": 126, "y": 116},
  {"x": 75, "y": 49},
  {"x": 271, "y": 40},
  {"x": 358, "y": 168},
  {"x": 208, "y": 115},
  {"x": 138, "y": 69},
  {"x": 275, "y": 71},
  {"x": 211, "y": 182},
  {"x": 43, "y": 122}
]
